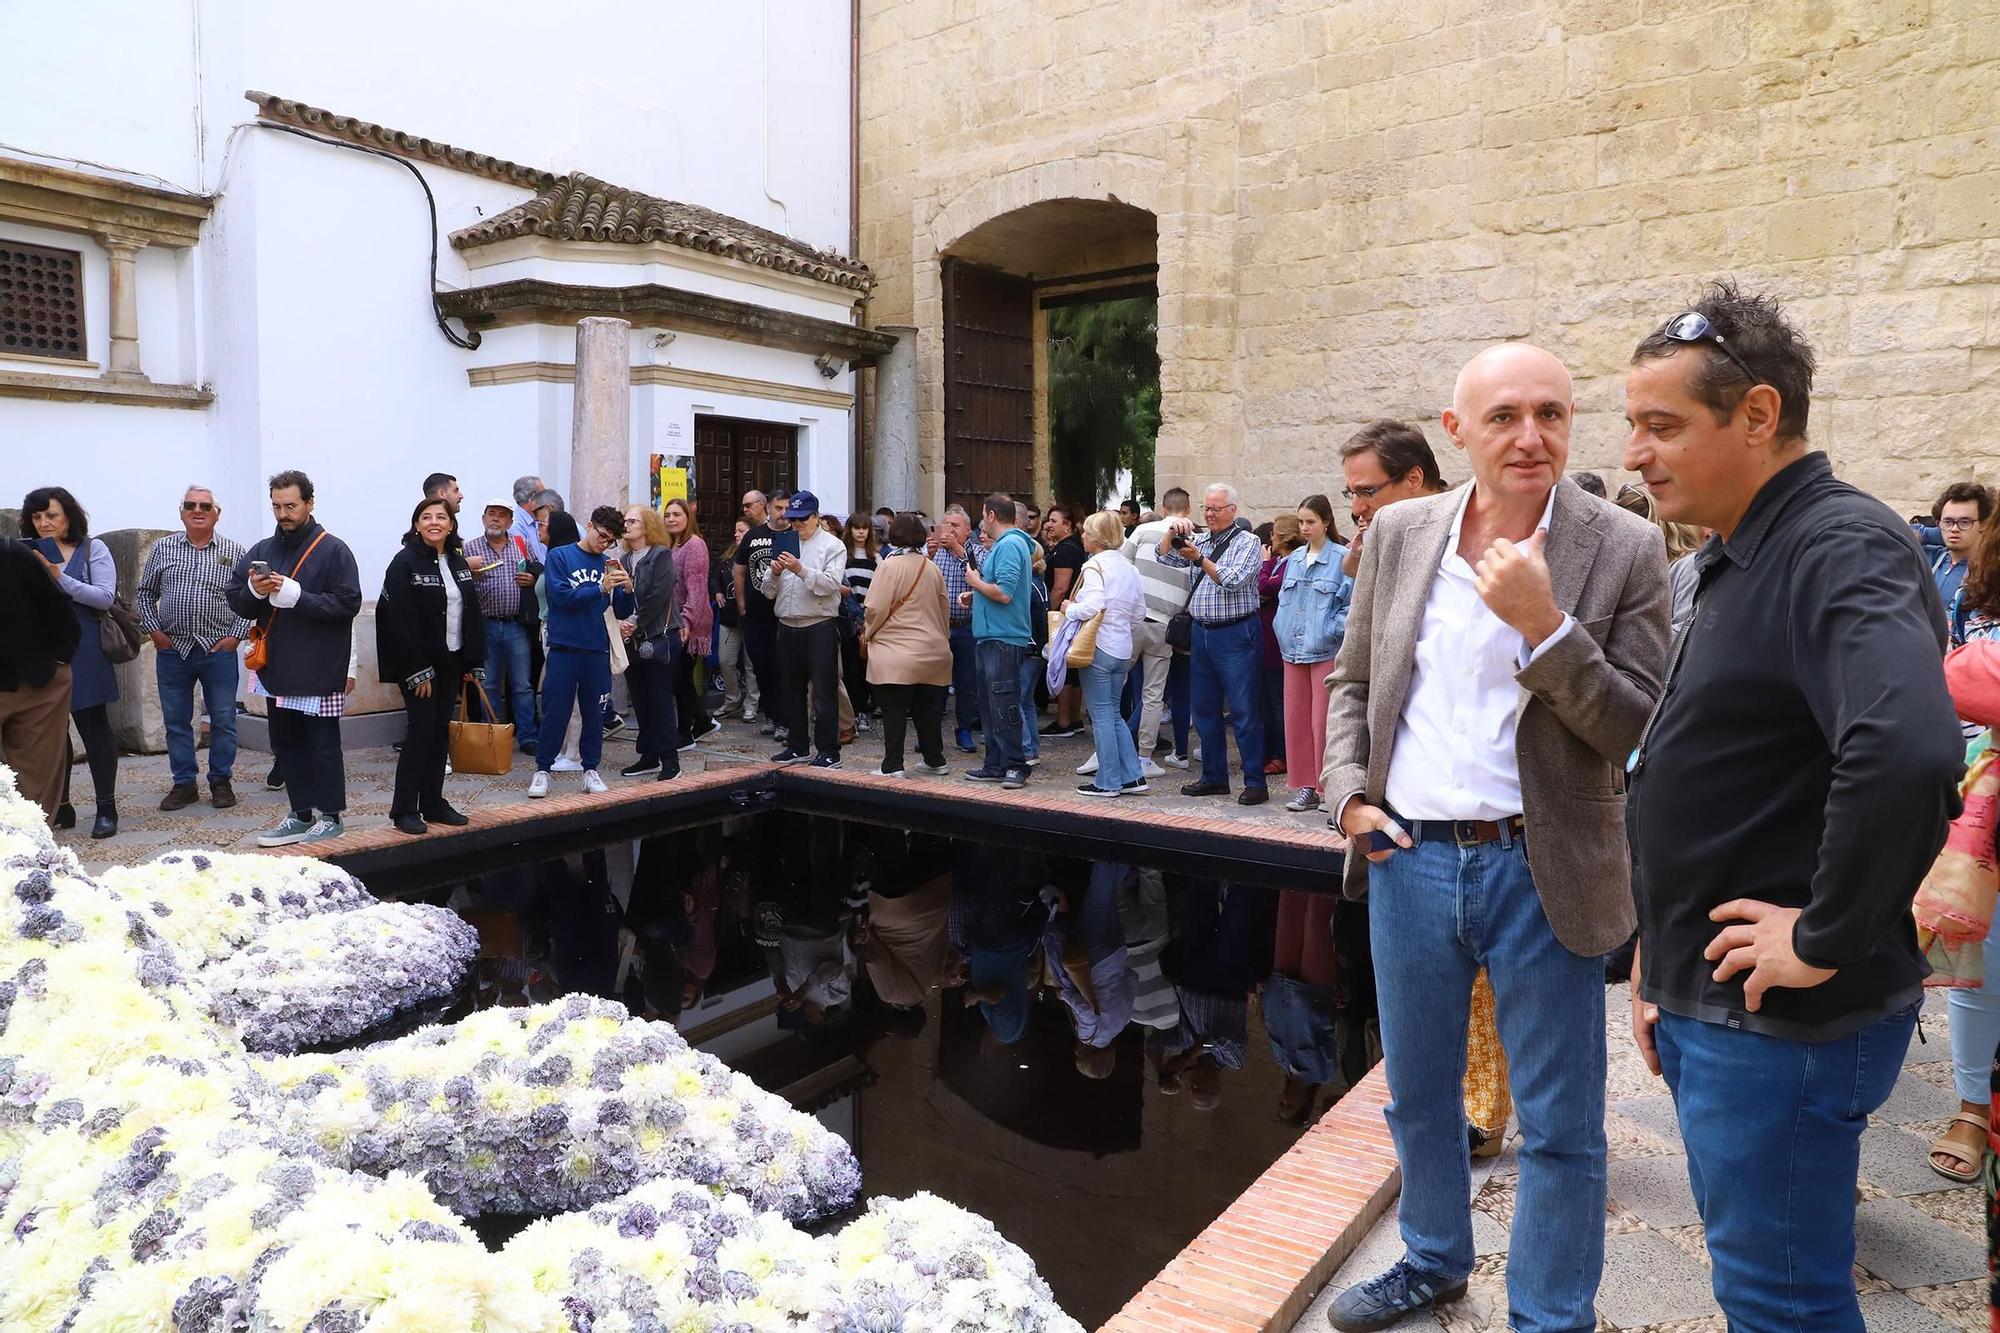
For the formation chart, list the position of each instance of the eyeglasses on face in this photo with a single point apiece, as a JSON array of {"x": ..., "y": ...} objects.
[
  {"x": 1364, "y": 492},
  {"x": 1693, "y": 327},
  {"x": 197, "y": 506},
  {"x": 1958, "y": 524}
]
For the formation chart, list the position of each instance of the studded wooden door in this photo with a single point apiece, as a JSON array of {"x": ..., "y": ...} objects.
[
  {"x": 732, "y": 456},
  {"x": 989, "y": 384}
]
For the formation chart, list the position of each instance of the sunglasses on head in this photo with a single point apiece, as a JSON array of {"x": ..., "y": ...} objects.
[
  {"x": 1693, "y": 327},
  {"x": 201, "y": 505}
]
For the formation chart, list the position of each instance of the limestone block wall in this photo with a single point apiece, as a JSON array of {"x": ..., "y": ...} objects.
[{"x": 1352, "y": 197}]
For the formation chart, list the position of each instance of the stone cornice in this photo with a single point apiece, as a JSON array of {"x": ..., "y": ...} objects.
[
  {"x": 558, "y": 372},
  {"x": 51, "y": 196},
  {"x": 131, "y": 392},
  {"x": 651, "y": 305}
]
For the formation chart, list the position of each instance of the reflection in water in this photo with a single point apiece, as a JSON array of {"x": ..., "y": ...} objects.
[{"x": 1098, "y": 1057}]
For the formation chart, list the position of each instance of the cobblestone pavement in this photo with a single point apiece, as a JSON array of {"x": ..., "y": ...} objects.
[
  {"x": 1921, "y": 1265},
  {"x": 144, "y": 830}
]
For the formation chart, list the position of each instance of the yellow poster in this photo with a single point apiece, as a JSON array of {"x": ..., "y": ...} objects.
[{"x": 673, "y": 484}]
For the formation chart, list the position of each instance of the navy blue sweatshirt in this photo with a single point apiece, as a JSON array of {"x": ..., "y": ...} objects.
[{"x": 574, "y": 579}]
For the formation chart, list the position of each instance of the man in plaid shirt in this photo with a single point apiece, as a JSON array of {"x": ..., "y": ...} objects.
[
  {"x": 504, "y": 567},
  {"x": 1225, "y": 658},
  {"x": 182, "y": 603},
  {"x": 952, "y": 550}
]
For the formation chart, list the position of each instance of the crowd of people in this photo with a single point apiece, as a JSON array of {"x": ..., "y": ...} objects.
[{"x": 1718, "y": 721}]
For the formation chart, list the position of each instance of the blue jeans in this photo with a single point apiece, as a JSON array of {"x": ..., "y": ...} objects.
[
  {"x": 1773, "y": 1133},
  {"x": 1975, "y": 1018},
  {"x": 1438, "y": 913},
  {"x": 1032, "y": 666},
  {"x": 507, "y": 669},
  {"x": 176, "y": 679},
  {"x": 1117, "y": 755},
  {"x": 1226, "y": 667},
  {"x": 965, "y": 688},
  {"x": 1000, "y": 704}
]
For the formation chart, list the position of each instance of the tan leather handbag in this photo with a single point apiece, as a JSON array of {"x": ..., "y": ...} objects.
[
  {"x": 480, "y": 747},
  {"x": 1083, "y": 648}
]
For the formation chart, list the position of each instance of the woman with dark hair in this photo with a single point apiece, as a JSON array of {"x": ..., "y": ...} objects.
[
  {"x": 905, "y": 636},
  {"x": 429, "y": 636},
  {"x": 739, "y": 686},
  {"x": 1311, "y": 621},
  {"x": 863, "y": 556},
  {"x": 691, "y": 592},
  {"x": 81, "y": 565}
]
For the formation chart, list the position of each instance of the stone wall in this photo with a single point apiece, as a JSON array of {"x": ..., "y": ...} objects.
[{"x": 1353, "y": 197}]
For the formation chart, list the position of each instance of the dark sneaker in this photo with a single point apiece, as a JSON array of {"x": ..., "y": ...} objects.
[
  {"x": 1253, "y": 796},
  {"x": 1138, "y": 786},
  {"x": 446, "y": 814},
  {"x": 1205, "y": 789},
  {"x": 638, "y": 768},
  {"x": 1062, "y": 733},
  {"x": 1384, "y": 1299},
  {"x": 1014, "y": 779},
  {"x": 276, "y": 780},
  {"x": 825, "y": 761},
  {"x": 982, "y": 775},
  {"x": 1092, "y": 789},
  {"x": 964, "y": 739},
  {"x": 614, "y": 725},
  {"x": 411, "y": 825},
  {"x": 181, "y": 797},
  {"x": 220, "y": 794},
  {"x": 787, "y": 756}
]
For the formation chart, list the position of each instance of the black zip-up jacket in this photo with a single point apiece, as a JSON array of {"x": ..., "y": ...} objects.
[
  {"x": 309, "y": 645},
  {"x": 1805, "y": 753},
  {"x": 42, "y": 628},
  {"x": 409, "y": 618}
]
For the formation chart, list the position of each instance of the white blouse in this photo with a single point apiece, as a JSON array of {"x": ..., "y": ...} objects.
[
  {"x": 454, "y": 608},
  {"x": 1110, "y": 584}
]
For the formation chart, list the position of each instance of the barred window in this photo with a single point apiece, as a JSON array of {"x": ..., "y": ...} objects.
[{"x": 41, "y": 301}]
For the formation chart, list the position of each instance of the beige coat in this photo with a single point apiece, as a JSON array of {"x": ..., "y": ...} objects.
[
  {"x": 1582, "y": 704},
  {"x": 906, "y": 623}
]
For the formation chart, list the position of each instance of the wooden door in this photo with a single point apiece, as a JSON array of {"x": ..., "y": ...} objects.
[
  {"x": 989, "y": 384},
  {"x": 731, "y": 456}
]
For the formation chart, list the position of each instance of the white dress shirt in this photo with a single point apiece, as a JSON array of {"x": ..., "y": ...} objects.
[
  {"x": 1454, "y": 754},
  {"x": 454, "y": 608}
]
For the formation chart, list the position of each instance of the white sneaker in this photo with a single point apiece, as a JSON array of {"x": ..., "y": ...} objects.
[
  {"x": 941, "y": 771},
  {"x": 592, "y": 783},
  {"x": 538, "y": 785},
  {"x": 1087, "y": 767},
  {"x": 1177, "y": 761},
  {"x": 565, "y": 764},
  {"x": 1149, "y": 769},
  {"x": 447, "y": 768},
  {"x": 890, "y": 773}
]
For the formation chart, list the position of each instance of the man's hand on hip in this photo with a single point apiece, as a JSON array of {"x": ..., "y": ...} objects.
[
  {"x": 1358, "y": 819},
  {"x": 1762, "y": 946},
  {"x": 162, "y": 642},
  {"x": 1513, "y": 581}
]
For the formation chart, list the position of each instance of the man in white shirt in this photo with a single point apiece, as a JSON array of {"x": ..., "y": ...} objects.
[
  {"x": 1503, "y": 652},
  {"x": 1163, "y": 672}
]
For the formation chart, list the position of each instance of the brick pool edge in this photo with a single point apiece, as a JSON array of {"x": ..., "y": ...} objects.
[{"x": 1258, "y": 1266}]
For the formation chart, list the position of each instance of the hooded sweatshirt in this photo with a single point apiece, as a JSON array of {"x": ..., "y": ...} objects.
[{"x": 575, "y": 581}]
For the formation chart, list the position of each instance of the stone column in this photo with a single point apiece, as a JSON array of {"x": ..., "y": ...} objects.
[
  {"x": 600, "y": 458},
  {"x": 892, "y": 472},
  {"x": 124, "y": 253}
]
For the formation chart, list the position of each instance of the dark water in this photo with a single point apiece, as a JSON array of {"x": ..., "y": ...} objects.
[{"x": 843, "y": 965}]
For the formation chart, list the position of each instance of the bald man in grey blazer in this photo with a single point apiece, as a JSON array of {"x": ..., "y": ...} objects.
[{"x": 1504, "y": 648}]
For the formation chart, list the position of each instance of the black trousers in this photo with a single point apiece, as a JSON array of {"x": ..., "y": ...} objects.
[
  {"x": 810, "y": 655},
  {"x": 307, "y": 749},
  {"x": 652, "y": 685},
  {"x": 426, "y": 745},
  {"x": 760, "y": 640},
  {"x": 690, "y": 716},
  {"x": 923, "y": 704},
  {"x": 100, "y": 750},
  {"x": 853, "y": 670}
]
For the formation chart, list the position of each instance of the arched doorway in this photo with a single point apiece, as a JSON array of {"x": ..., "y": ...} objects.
[{"x": 1002, "y": 282}]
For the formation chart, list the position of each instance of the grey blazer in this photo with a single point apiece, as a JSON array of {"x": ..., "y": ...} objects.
[
  {"x": 653, "y": 589},
  {"x": 1582, "y": 705}
]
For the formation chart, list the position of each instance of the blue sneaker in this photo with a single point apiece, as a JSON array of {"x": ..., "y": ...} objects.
[
  {"x": 964, "y": 738},
  {"x": 1384, "y": 1299}
]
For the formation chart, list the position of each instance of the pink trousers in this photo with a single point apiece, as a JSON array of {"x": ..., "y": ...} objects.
[{"x": 1305, "y": 721}]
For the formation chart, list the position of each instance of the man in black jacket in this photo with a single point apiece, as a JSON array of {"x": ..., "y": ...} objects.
[
  {"x": 301, "y": 586},
  {"x": 1787, "y": 798},
  {"x": 35, "y": 652}
]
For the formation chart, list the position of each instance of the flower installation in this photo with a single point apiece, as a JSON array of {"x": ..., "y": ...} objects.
[{"x": 155, "y": 1174}]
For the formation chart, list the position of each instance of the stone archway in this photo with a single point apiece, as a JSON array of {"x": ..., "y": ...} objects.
[{"x": 1062, "y": 212}]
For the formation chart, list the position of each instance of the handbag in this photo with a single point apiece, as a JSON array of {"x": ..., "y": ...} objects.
[
  {"x": 480, "y": 747},
  {"x": 118, "y": 632},
  {"x": 1180, "y": 629},
  {"x": 861, "y": 639},
  {"x": 1082, "y": 648},
  {"x": 1954, "y": 904},
  {"x": 259, "y": 652}
]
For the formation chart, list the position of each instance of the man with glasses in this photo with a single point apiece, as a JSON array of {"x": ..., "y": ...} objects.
[
  {"x": 1960, "y": 512},
  {"x": 183, "y": 602},
  {"x": 1383, "y": 462},
  {"x": 1225, "y": 652},
  {"x": 1787, "y": 798}
]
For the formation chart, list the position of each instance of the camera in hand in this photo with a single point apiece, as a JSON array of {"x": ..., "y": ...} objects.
[{"x": 1178, "y": 540}]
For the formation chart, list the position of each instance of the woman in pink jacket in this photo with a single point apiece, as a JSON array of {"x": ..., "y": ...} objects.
[{"x": 697, "y": 614}]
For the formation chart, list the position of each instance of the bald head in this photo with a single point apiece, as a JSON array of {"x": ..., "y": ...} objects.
[{"x": 1511, "y": 412}]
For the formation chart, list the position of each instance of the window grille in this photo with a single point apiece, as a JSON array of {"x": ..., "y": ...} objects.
[{"x": 41, "y": 302}]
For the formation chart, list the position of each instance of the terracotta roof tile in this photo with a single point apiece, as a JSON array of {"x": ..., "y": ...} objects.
[{"x": 577, "y": 207}]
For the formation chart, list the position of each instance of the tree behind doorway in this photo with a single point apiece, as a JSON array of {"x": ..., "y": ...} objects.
[{"x": 1104, "y": 398}]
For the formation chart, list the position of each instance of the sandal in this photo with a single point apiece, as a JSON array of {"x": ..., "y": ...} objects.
[{"x": 1946, "y": 1146}]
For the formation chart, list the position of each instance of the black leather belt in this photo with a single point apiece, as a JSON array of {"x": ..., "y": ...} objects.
[
  {"x": 1469, "y": 832},
  {"x": 1225, "y": 624}
]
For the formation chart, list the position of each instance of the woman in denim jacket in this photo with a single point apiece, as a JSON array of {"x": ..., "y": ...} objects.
[{"x": 1312, "y": 618}]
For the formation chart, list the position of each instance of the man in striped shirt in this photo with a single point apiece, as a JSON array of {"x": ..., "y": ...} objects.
[{"x": 182, "y": 603}]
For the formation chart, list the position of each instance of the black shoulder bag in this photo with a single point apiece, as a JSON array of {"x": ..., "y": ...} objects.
[{"x": 1180, "y": 630}]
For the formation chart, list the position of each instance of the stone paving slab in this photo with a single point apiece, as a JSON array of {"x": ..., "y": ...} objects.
[
  {"x": 1908, "y": 1248},
  {"x": 1649, "y": 1280}
]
